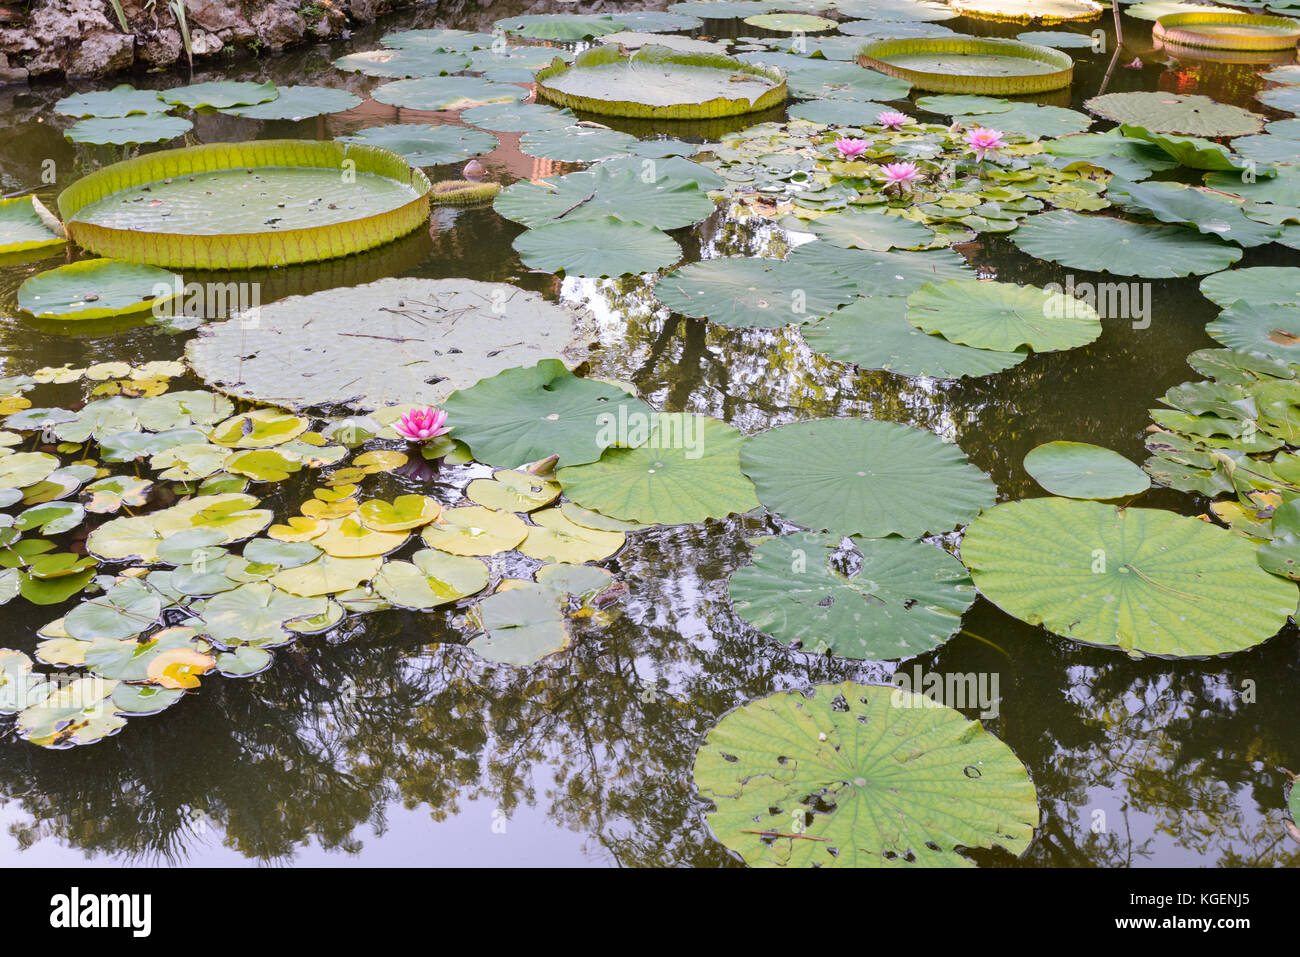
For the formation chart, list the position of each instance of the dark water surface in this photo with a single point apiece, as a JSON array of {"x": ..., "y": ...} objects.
[{"x": 387, "y": 742}]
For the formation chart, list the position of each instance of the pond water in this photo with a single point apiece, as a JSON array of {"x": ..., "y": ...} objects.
[{"x": 387, "y": 742}]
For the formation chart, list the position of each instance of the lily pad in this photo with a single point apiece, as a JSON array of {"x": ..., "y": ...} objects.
[
  {"x": 554, "y": 538},
  {"x": 597, "y": 247},
  {"x": 861, "y": 776},
  {"x": 1279, "y": 285},
  {"x": 1268, "y": 329},
  {"x": 422, "y": 145},
  {"x": 559, "y": 26},
  {"x": 128, "y": 130},
  {"x": 436, "y": 93},
  {"x": 1102, "y": 244},
  {"x": 896, "y": 598},
  {"x": 601, "y": 192},
  {"x": 1145, "y": 580},
  {"x": 1002, "y": 316},
  {"x": 299, "y": 103},
  {"x": 393, "y": 341},
  {"x": 77, "y": 713},
  {"x": 474, "y": 530},
  {"x": 121, "y": 100},
  {"x": 860, "y": 477},
  {"x": 1208, "y": 212},
  {"x": 25, "y": 225},
  {"x": 430, "y": 579},
  {"x": 518, "y": 117},
  {"x": 403, "y": 62},
  {"x": 880, "y": 274},
  {"x": 255, "y": 614},
  {"x": 576, "y": 144},
  {"x": 97, "y": 288},
  {"x": 1080, "y": 470},
  {"x": 858, "y": 229},
  {"x": 791, "y": 22},
  {"x": 736, "y": 291},
  {"x": 513, "y": 491},
  {"x": 687, "y": 470},
  {"x": 1188, "y": 114},
  {"x": 220, "y": 94}
]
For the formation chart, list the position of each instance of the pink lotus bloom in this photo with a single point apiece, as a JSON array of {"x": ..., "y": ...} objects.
[
  {"x": 893, "y": 120},
  {"x": 420, "y": 425},
  {"x": 902, "y": 175},
  {"x": 984, "y": 141},
  {"x": 851, "y": 149}
]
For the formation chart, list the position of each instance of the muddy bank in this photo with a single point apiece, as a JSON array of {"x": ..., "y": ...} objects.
[{"x": 49, "y": 38}]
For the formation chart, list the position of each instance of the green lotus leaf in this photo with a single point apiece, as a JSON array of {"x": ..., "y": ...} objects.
[
  {"x": 232, "y": 514},
  {"x": 1260, "y": 285},
  {"x": 121, "y": 100},
  {"x": 255, "y": 614},
  {"x": 725, "y": 9},
  {"x": 1155, "y": 9},
  {"x": 859, "y": 477},
  {"x": 111, "y": 494},
  {"x": 1103, "y": 244},
  {"x": 1060, "y": 39},
  {"x": 881, "y": 274},
  {"x": 899, "y": 598},
  {"x": 838, "y": 112},
  {"x": 21, "y": 469},
  {"x": 436, "y": 93},
  {"x": 861, "y": 776},
  {"x": 1113, "y": 151},
  {"x": 576, "y": 144},
  {"x": 140, "y": 700},
  {"x": 1285, "y": 98},
  {"x": 1002, "y": 315},
  {"x": 129, "y": 660},
  {"x": 1267, "y": 150},
  {"x": 430, "y": 579},
  {"x": 1145, "y": 580},
  {"x": 208, "y": 576},
  {"x": 791, "y": 22},
  {"x": 299, "y": 103},
  {"x": 632, "y": 40},
  {"x": 53, "y": 518},
  {"x": 458, "y": 41},
  {"x": 597, "y": 247},
  {"x": 244, "y": 661},
  {"x": 860, "y": 229},
  {"x": 423, "y": 145},
  {"x": 58, "y": 484},
  {"x": 957, "y": 104},
  {"x": 403, "y": 62},
  {"x": 1029, "y": 119},
  {"x": 735, "y": 291},
  {"x": 220, "y": 94},
  {"x": 687, "y": 470},
  {"x": 601, "y": 192},
  {"x": 555, "y": 538},
  {"x": 25, "y": 225},
  {"x": 77, "y": 713},
  {"x": 832, "y": 79},
  {"x": 96, "y": 288},
  {"x": 1269, "y": 329},
  {"x": 521, "y": 626},
  {"x": 1189, "y": 151},
  {"x": 124, "y": 611},
  {"x": 422, "y": 340},
  {"x": 875, "y": 334},
  {"x": 265, "y": 551},
  {"x": 474, "y": 530},
  {"x": 1208, "y": 212},
  {"x": 559, "y": 26},
  {"x": 1080, "y": 470},
  {"x": 129, "y": 130},
  {"x": 512, "y": 491},
  {"x": 326, "y": 576},
  {"x": 518, "y": 117},
  {"x": 576, "y": 419},
  {"x": 1242, "y": 368},
  {"x": 181, "y": 409},
  {"x": 19, "y": 687},
  {"x": 1186, "y": 114}
]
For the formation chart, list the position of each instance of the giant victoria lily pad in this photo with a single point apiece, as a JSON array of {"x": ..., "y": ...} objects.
[
  {"x": 389, "y": 342},
  {"x": 897, "y": 598},
  {"x": 962, "y": 64},
  {"x": 860, "y": 477},
  {"x": 1046, "y": 11},
  {"x": 861, "y": 776},
  {"x": 1103, "y": 244},
  {"x": 1228, "y": 31},
  {"x": 656, "y": 81},
  {"x": 1145, "y": 580},
  {"x": 281, "y": 201}
]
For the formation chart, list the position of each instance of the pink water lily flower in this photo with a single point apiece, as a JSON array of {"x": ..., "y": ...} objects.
[
  {"x": 902, "y": 175},
  {"x": 893, "y": 120},
  {"x": 851, "y": 149},
  {"x": 984, "y": 141},
  {"x": 420, "y": 425}
]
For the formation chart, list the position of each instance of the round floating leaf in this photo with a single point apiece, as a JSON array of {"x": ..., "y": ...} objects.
[
  {"x": 857, "y": 229},
  {"x": 96, "y": 289},
  {"x": 121, "y": 100},
  {"x": 243, "y": 661},
  {"x": 399, "y": 63},
  {"x": 898, "y": 598},
  {"x": 422, "y": 145},
  {"x": 77, "y": 713},
  {"x": 257, "y": 613},
  {"x": 455, "y": 40},
  {"x": 124, "y": 611},
  {"x": 554, "y": 538},
  {"x": 1285, "y": 98},
  {"x": 25, "y": 224},
  {"x": 110, "y": 494},
  {"x": 1029, "y": 119},
  {"x": 875, "y": 334},
  {"x": 220, "y": 94},
  {"x": 524, "y": 415},
  {"x": 576, "y": 144},
  {"x": 436, "y": 93},
  {"x": 1148, "y": 581},
  {"x": 127, "y": 130},
  {"x": 1268, "y": 329},
  {"x": 430, "y": 579},
  {"x": 518, "y": 117},
  {"x": 1278, "y": 285},
  {"x": 299, "y": 103},
  {"x": 559, "y": 26},
  {"x": 1208, "y": 212},
  {"x": 326, "y": 576},
  {"x": 1080, "y": 470},
  {"x": 1189, "y": 114},
  {"x": 52, "y": 518},
  {"x": 144, "y": 699},
  {"x": 966, "y": 64},
  {"x": 687, "y": 471},
  {"x": 522, "y": 625},
  {"x": 402, "y": 514},
  {"x": 791, "y": 22},
  {"x": 512, "y": 491},
  {"x": 859, "y": 477},
  {"x": 21, "y": 469},
  {"x": 474, "y": 530},
  {"x": 601, "y": 192},
  {"x": 861, "y": 776},
  {"x": 1002, "y": 315},
  {"x": 1103, "y": 244},
  {"x": 410, "y": 341},
  {"x": 131, "y": 660},
  {"x": 348, "y": 538},
  {"x": 597, "y": 247},
  {"x": 1060, "y": 39},
  {"x": 838, "y": 112},
  {"x": 882, "y": 274},
  {"x": 737, "y": 291}
]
